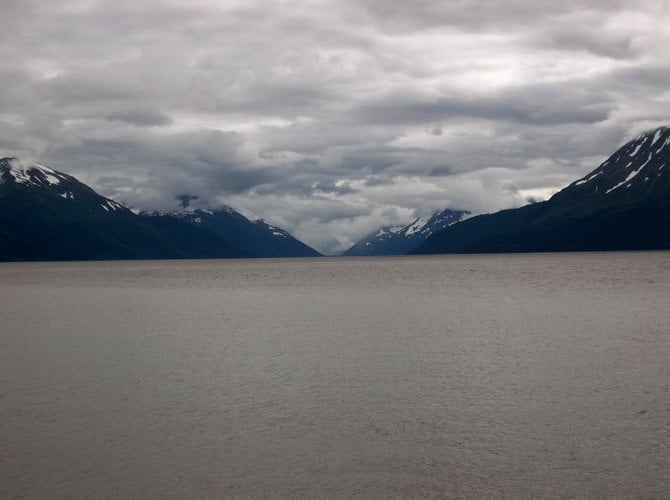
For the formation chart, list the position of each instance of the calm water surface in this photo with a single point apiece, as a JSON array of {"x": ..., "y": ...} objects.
[{"x": 512, "y": 376}]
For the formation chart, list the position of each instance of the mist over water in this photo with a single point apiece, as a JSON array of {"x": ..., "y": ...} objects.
[{"x": 494, "y": 375}]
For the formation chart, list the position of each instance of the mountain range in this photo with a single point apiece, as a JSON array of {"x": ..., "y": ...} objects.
[
  {"x": 49, "y": 215},
  {"x": 398, "y": 240},
  {"x": 624, "y": 204}
]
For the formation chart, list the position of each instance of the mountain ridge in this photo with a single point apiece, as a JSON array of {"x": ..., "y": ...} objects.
[{"x": 623, "y": 204}]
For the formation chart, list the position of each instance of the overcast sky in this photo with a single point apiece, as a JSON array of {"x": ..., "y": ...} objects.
[{"x": 330, "y": 117}]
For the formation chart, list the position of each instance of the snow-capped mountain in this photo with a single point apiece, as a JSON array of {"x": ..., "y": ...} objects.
[
  {"x": 634, "y": 172},
  {"x": 36, "y": 178},
  {"x": 398, "y": 240},
  {"x": 256, "y": 238},
  {"x": 624, "y": 204},
  {"x": 50, "y": 215}
]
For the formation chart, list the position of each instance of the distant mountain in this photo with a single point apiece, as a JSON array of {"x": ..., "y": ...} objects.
[
  {"x": 49, "y": 215},
  {"x": 398, "y": 240},
  {"x": 624, "y": 204},
  {"x": 256, "y": 238}
]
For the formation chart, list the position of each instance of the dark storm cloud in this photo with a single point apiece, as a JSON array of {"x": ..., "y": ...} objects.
[
  {"x": 140, "y": 117},
  {"x": 204, "y": 163},
  {"x": 483, "y": 14},
  {"x": 332, "y": 187},
  {"x": 531, "y": 105},
  {"x": 330, "y": 118},
  {"x": 586, "y": 36},
  {"x": 66, "y": 90},
  {"x": 639, "y": 79},
  {"x": 441, "y": 171}
]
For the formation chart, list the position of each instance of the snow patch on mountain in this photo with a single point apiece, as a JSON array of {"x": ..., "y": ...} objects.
[
  {"x": 637, "y": 148},
  {"x": 415, "y": 227},
  {"x": 630, "y": 176},
  {"x": 111, "y": 205},
  {"x": 589, "y": 178},
  {"x": 657, "y": 136}
]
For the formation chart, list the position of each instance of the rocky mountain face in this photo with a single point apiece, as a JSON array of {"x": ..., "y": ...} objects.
[
  {"x": 624, "y": 204},
  {"x": 398, "y": 240}
]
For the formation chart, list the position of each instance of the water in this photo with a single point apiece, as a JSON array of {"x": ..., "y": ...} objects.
[{"x": 459, "y": 376}]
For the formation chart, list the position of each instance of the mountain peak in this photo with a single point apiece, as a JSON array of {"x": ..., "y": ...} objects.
[
  {"x": 633, "y": 169},
  {"x": 22, "y": 171},
  {"x": 22, "y": 174}
]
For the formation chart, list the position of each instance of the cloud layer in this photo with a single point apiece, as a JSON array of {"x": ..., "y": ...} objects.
[{"x": 327, "y": 117}]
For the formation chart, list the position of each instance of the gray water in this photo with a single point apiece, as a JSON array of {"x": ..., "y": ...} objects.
[{"x": 512, "y": 376}]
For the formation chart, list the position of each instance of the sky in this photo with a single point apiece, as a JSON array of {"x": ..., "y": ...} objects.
[{"x": 330, "y": 118}]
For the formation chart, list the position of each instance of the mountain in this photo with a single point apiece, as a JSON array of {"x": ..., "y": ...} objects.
[
  {"x": 256, "y": 238},
  {"x": 624, "y": 204},
  {"x": 49, "y": 215},
  {"x": 398, "y": 240}
]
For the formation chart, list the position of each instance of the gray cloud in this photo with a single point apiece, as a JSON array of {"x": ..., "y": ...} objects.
[
  {"x": 515, "y": 107},
  {"x": 140, "y": 117},
  {"x": 440, "y": 171},
  {"x": 330, "y": 118},
  {"x": 489, "y": 15},
  {"x": 374, "y": 181}
]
